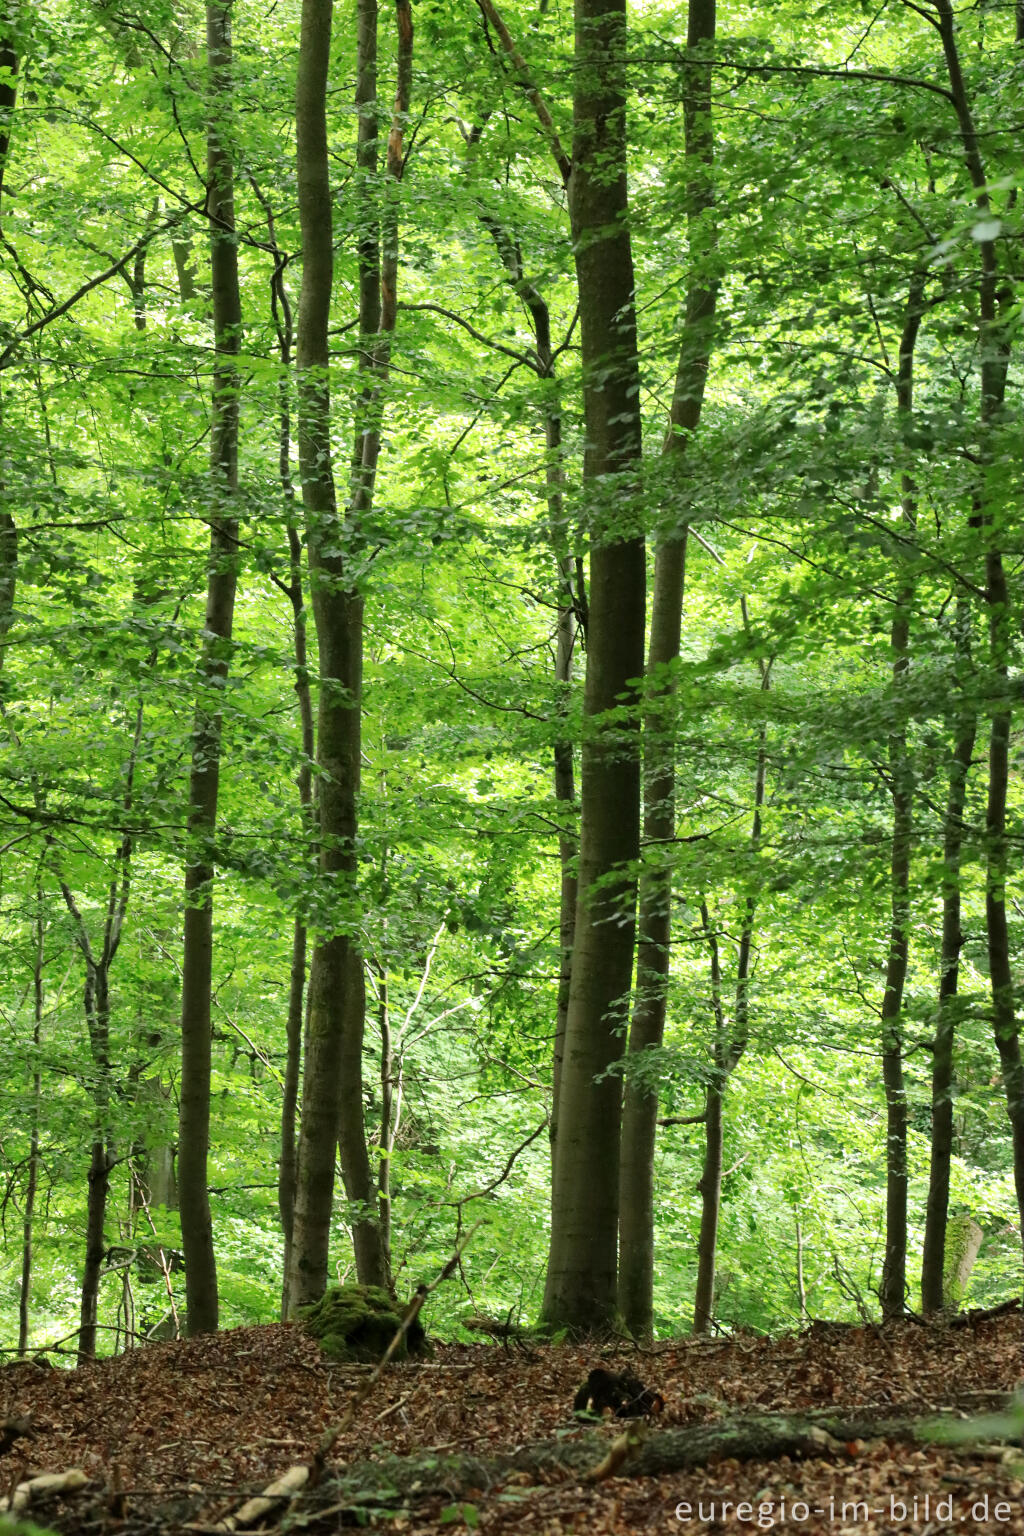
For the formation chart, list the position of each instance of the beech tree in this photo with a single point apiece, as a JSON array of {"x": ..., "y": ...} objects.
[
  {"x": 204, "y": 781},
  {"x": 791, "y": 241},
  {"x": 653, "y": 961},
  {"x": 580, "y": 1289},
  {"x": 332, "y": 1101}
]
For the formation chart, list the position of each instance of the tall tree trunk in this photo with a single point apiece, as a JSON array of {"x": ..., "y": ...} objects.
[
  {"x": 332, "y": 1084},
  {"x": 288, "y": 1166},
  {"x": 580, "y": 1290},
  {"x": 727, "y": 1049},
  {"x": 337, "y": 752},
  {"x": 710, "y": 1184},
  {"x": 565, "y": 797},
  {"x": 295, "y": 593},
  {"x": 96, "y": 1007},
  {"x": 388, "y": 1120},
  {"x": 378, "y": 299},
  {"x": 9, "y": 63},
  {"x": 101, "y": 1159},
  {"x": 894, "y": 1267},
  {"x": 996, "y": 313},
  {"x": 571, "y": 616},
  {"x": 204, "y": 778},
  {"x": 640, "y": 1105},
  {"x": 933, "y": 1257},
  {"x": 100, "y": 1162},
  {"x": 32, "y": 1182}
]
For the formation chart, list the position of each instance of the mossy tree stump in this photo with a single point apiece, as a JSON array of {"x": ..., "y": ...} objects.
[{"x": 358, "y": 1322}]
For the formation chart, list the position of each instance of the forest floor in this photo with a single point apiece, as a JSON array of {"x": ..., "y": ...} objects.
[{"x": 173, "y": 1437}]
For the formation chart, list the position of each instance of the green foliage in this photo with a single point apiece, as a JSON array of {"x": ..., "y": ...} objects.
[{"x": 839, "y": 175}]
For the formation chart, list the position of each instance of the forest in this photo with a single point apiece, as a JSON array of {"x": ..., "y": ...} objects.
[{"x": 511, "y": 623}]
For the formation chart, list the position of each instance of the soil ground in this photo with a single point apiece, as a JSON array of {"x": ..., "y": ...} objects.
[{"x": 179, "y": 1434}]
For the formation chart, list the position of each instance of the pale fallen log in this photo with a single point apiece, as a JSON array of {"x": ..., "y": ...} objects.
[
  {"x": 283, "y": 1487},
  {"x": 39, "y": 1487}
]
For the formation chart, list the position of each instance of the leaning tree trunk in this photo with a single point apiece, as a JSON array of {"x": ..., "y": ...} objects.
[
  {"x": 580, "y": 1290},
  {"x": 640, "y": 1104},
  {"x": 204, "y": 778}
]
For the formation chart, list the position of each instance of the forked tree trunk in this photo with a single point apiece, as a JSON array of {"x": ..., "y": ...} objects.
[
  {"x": 212, "y": 672},
  {"x": 314, "y": 1190},
  {"x": 640, "y": 1104},
  {"x": 378, "y": 299},
  {"x": 332, "y": 1101},
  {"x": 580, "y": 1290}
]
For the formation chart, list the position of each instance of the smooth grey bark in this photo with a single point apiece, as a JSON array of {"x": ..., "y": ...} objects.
[
  {"x": 936, "y": 1216},
  {"x": 995, "y": 314},
  {"x": 647, "y": 1028},
  {"x": 211, "y": 676},
  {"x": 893, "y": 1288},
  {"x": 580, "y": 1289}
]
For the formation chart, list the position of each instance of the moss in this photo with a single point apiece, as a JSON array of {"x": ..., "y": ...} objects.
[
  {"x": 963, "y": 1241},
  {"x": 358, "y": 1322}
]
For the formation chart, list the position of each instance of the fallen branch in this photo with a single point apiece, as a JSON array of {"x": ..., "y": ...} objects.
[
  {"x": 397, "y": 1480},
  {"x": 621, "y": 1449},
  {"x": 982, "y": 1314},
  {"x": 38, "y": 1487}
]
